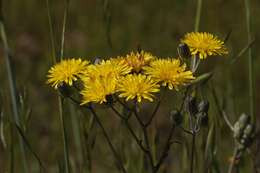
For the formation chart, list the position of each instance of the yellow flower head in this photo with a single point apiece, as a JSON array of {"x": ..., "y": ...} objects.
[
  {"x": 106, "y": 68},
  {"x": 204, "y": 44},
  {"x": 137, "y": 60},
  {"x": 66, "y": 71},
  {"x": 137, "y": 86},
  {"x": 97, "y": 89},
  {"x": 169, "y": 72}
]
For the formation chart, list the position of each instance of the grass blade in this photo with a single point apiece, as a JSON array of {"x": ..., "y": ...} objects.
[
  {"x": 12, "y": 86},
  {"x": 250, "y": 63}
]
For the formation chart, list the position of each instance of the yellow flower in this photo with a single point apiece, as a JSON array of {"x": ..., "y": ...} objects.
[
  {"x": 106, "y": 68},
  {"x": 137, "y": 86},
  {"x": 169, "y": 72},
  {"x": 137, "y": 60},
  {"x": 66, "y": 71},
  {"x": 204, "y": 44},
  {"x": 97, "y": 89}
]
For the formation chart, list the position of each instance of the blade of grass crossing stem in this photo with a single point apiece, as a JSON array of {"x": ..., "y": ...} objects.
[
  {"x": 12, "y": 88},
  {"x": 198, "y": 15},
  {"x": 250, "y": 62},
  {"x": 64, "y": 134},
  {"x": 52, "y": 38},
  {"x": 76, "y": 131}
]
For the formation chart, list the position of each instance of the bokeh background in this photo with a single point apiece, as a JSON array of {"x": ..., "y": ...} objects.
[{"x": 155, "y": 26}]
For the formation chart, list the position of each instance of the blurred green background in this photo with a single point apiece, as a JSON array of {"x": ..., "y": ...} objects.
[{"x": 155, "y": 25}]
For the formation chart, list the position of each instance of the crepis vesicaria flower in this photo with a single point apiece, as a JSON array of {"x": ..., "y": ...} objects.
[
  {"x": 100, "y": 80},
  {"x": 97, "y": 89},
  {"x": 204, "y": 44},
  {"x": 137, "y": 60},
  {"x": 67, "y": 71},
  {"x": 170, "y": 72},
  {"x": 137, "y": 86}
]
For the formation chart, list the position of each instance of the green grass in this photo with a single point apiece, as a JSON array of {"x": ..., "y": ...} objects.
[{"x": 58, "y": 137}]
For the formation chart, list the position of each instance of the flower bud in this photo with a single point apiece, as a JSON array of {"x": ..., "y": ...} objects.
[
  {"x": 191, "y": 105},
  {"x": 204, "y": 118},
  {"x": 64, "y": 89},
  {"x": 183, "y": 51},
  {"x": 240, "y": 125},
  {"x": 109, "y": 99},
  {"x": 176, "y": 117},
  {"x": 203, "y": 106}
]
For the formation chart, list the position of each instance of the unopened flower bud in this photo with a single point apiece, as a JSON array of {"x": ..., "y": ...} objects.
[
  {"x": 203, "y": 106},
  {"x": 183, "y": 50},
  {"x": 176, "y": 117},
  {"x": 240, "y": 125},
  {"x": 191, "y": 104},
  {"x": 64, "y": 89},
  {"x": 109, "y": 99},
  {"x": 204, "y": 118}
]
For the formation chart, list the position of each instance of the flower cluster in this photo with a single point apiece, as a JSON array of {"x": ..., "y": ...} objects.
[{"x": 135, "y": 76}]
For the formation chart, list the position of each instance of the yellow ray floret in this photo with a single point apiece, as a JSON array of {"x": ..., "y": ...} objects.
[
  {"x": 106, "y": 68},
  {"x": 170, "y": 72},
  {"x": 137, "y": 86},
  {"x": 137, "y": 60},
  {"x": 66, "y": 71},
  {"x": 204, "y": 44},
  {"x": 97, "y": 89}
]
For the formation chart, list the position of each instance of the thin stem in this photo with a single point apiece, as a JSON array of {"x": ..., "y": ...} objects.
[
  {"x": 198, "y": 15},
  {"x": 116, "y": 155},
  {"x": 51, "y": 32},
  {"x": 192, "y": 151},
  {"x": 146, "y": 139},
  {"x": 138, "y": 141},
  {"x": 64, "y": 136},
  {"x": 64, "y": 28},
  {"x": 250, "y": 62},
  {"x": 12, "y": 88},
  {"x": 165, "y": 151},
  {"x": 232, "y": 164}
]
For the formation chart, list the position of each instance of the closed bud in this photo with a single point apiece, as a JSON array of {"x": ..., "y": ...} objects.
[
  {"x": 109, "y": 99},
  {"x": 240, "y": 125},
  {"x": 97, "y": 61},
  {"x": 204, "y": 118},
  {"x": 203, "y": 106},
  {"x": 183, "y": 50},
  {"x": 244, "y": 120},
  {"x": 249, "y": 130},
  {"x": 191, "y": 105},
  {"x": 64, "y": 89},
  {"x": 176, "y": 117}
]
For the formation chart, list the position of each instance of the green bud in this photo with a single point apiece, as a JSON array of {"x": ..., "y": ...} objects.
[
  {"x": 64, "y": 89},
  {"x": 240, "y": 125},
  {"x": 109, "y": 99},
  {"x": 191, "y": 105},
  {"x": 176, "y": 117},
  {"x": 203, "y": 106},
  {"x": 183, "y": 50},
  {"x": 204, "y": 118}
]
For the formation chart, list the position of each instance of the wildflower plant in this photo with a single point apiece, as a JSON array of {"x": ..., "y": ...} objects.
[{"x": 129, "y": 81}]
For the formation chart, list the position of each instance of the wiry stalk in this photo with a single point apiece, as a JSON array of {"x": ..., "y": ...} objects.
[
  {"x": 250, "y": 62},
  {"x": 198, "y": 15},
  {"x": 64, "y": 134},
  {"x": 12, "y": 88},
  {"x": 62, "y": 120}
]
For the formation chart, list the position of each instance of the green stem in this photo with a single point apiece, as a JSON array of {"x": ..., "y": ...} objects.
[
  {"x": 198, "y": 15},
  {"x": 250, "y": 62},
  {"x": 232, "y": 164},
  {"x": 12, "y": 88},
  {"x": 51, "y": 33},
  {"x": 64, "y": 136}
]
